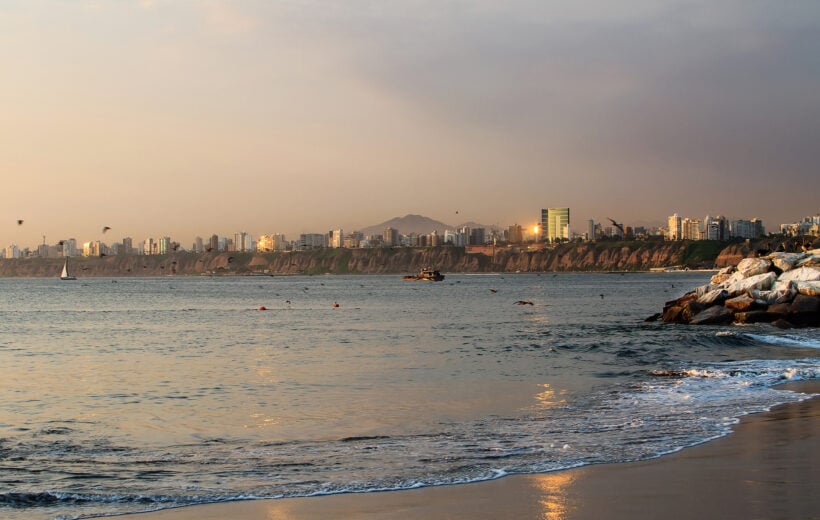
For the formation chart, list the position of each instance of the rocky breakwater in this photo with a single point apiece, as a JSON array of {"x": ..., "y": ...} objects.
[{"x": 781, "y": 288}]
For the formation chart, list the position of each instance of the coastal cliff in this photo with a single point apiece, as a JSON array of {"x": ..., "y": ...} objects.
[{"x": 597, "y": 256}]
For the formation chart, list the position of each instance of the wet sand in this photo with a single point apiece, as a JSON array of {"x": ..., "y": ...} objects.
[{"x": 769, "y": 468}]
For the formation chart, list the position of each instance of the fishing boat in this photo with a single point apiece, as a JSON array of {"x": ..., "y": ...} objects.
[
  {"x": 424, "y": 275},
  {"x": 65, "y": 274}
]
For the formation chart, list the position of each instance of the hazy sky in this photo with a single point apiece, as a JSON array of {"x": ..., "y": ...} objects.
[{"x": 185, "y": 118}]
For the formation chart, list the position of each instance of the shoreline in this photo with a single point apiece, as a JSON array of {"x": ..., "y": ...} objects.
[{"x": 764, "y": 469}]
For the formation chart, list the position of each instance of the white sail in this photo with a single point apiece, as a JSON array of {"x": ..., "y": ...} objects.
[{"x": 64, "y": 275}]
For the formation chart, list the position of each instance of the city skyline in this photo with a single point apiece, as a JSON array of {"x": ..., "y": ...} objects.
[
  {"x": 164, "y": 118},
  {"x": 555, "y": 227}
]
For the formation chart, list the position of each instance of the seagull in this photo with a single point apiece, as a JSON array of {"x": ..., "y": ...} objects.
[
  {"x": 19, "y": 222},
  {"x": 493, "y": 291},
  {"x": 105, "y": 228}
]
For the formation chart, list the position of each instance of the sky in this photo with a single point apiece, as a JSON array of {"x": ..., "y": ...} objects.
[{"x": 186, "y": 118}]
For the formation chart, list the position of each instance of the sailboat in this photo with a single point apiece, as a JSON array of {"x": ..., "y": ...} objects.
[{"x": 64, "y": 275}]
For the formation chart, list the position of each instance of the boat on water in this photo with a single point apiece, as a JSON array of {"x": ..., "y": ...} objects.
[
  {"x": 65, "y": 274},
  {"x": 424, "y": 275}
]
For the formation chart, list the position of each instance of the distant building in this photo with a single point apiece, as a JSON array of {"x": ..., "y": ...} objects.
[
  {"x": 746, "y": 228},
  {"x": 213, "y": 243},
  {"x": 12, "y": 251},
  {"x": 515, "y": 235},
  {"x": 675, "y": 227},
  {"x": 807, "y": 226},
  {"x": 555, "y": 225},
  {"x": 391, "y": 237},
  {"x": 311, "y": 241},
  {"x": 93, "y": 248},
  {"x": 715, "y": 228},
  {"x": 127, "y": 246},
  {"x": 335, "y": 238},
  {"x": 478, "y": 236},
  {"x": 692, "y": 229}
]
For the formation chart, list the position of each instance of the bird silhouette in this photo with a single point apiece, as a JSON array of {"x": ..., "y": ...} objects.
[
  {"x": 105, "y": 228},
  {"x": 19, "y": 222},
  {"x": 523, "y": 302},
  {"x": 493, "y": 291}
]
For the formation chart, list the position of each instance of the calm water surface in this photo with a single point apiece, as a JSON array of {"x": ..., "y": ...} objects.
[{"x": 121, "y": 395}]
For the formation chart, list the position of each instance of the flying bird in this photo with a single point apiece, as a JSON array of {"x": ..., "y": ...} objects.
[
  {"x": 105, "y": 228},
  {"x": 19, "y": 222}
]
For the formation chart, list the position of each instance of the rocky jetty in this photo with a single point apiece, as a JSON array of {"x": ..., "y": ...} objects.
[{"x": 780, "y": 288}]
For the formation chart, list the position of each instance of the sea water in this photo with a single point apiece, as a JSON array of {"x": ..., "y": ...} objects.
[{"x": 135, "y": 394}]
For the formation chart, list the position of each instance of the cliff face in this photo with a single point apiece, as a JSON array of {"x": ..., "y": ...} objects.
[{"x": 603, "y": 256}]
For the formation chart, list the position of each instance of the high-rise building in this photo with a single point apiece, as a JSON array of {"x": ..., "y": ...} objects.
[
  {"x": 675, "y": 223},
  {"x": 555, "y": 224},
  {"x": 515, "y": 234},
  {"x": 391, "y": 237},
  {"x": 335, "y": 238},
  {"x": 746, "y": 228},
  {"x": 715, "y": 228}
]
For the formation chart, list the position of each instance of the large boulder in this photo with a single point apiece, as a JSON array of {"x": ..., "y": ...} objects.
[
  {"x": 760, "y": 282},
  {"x": 713, "y": 316},
  {"x": 714, "y": 297},
  {"x": 749, "y": 267},
  {"x": 773, "y": 296},
  {"x": 784, "y": 261},
  {"x": 722, "y": 275},
  {"x": 808, "y": 288},
  {"x": 805, "y": 310},
  {"x": 741, "y": 303},
  {"x": 801, "y": 274}
]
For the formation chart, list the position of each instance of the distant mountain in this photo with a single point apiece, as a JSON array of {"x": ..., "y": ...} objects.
[
  {"x": 417, "y": 224},
  {"x": 408, "y": 224}
]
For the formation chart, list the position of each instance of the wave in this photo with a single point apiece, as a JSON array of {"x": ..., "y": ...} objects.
[{"x": 788, "y": 340}]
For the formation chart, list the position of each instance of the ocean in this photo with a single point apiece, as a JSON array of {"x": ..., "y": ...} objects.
[{"x": 120, "y": 395}]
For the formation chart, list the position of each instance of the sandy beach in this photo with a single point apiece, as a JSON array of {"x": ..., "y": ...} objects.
[{"x": 767, "y": 469}]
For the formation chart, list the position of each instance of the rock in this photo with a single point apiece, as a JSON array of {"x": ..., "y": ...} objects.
[
  {"x": 801, "y": 274},
  {"x": 741, "y": 303},
  {"x": 715, "y": 297},
  {"x": 654, "y": 317},
  {"x": 760, "y": 282},
  {"x": 805, "y": 310},
  {"x": 784, "y": 261},
  {"x": 756, "y": 317},
  {"x": 782, "y": 324},
  {"x": 689, "y": 309},
  {"x": 809, "y": 261},
  {"x": 703, "y": 289},
  {"x": 749, "y": 267},
  {"x": 722, "y": 275},
  {"x": 808, "y": 288},
  {"x": 772, "y": 297},
  {"x": 781, "y": 309},
  {"x": 713, "y": 316},
  {"x": 672, "y": 314},
  {"x": 719, "y": 278}
]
